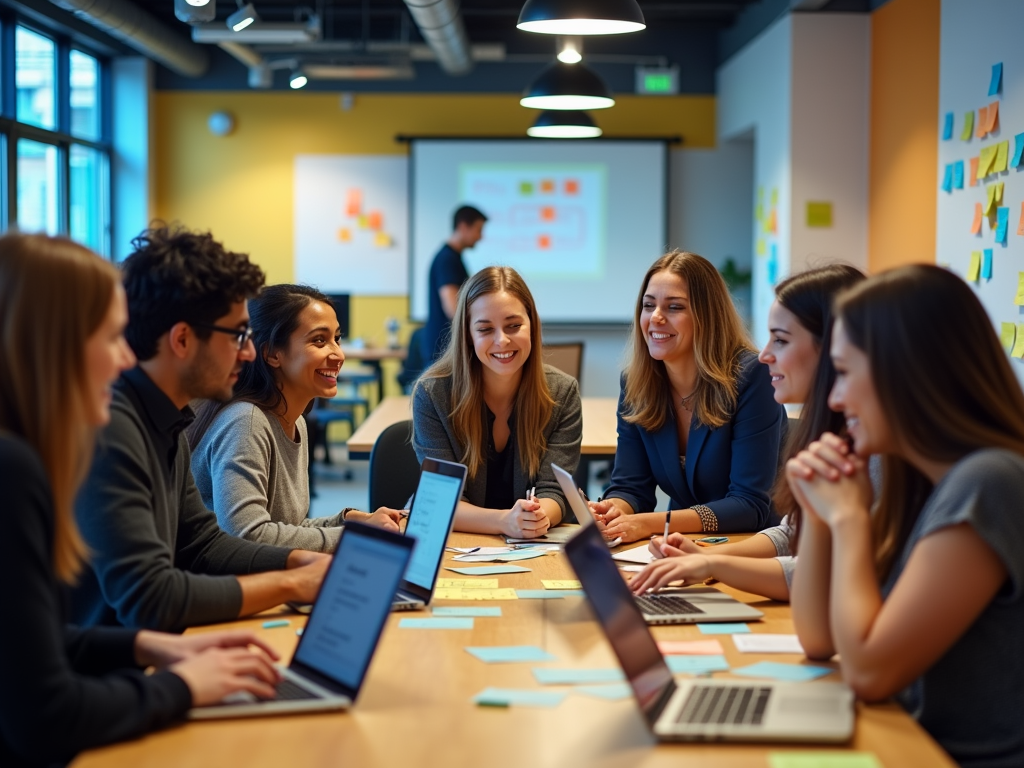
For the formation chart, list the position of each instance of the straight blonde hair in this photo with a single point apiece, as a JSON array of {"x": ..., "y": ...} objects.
[
  {"x": 719, "y": 339},
  {"x": 533, "y": 405},
  {"x": 54, "y": 294}
]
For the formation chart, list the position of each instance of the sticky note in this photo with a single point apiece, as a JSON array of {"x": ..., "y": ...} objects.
[
  {"x": 1002, "y": 157},
  {"x": 988, "y": 155},
  {"x": 775, "y": 197},
  {"x": 547, "y": 186},
  {"x": 1018, "y": 150},
  {"x": 525, "y": 188},
  {"x": 773, "y": 222},
  {"x": 767, "y": 643},
  {"x": 467, "y": 584},
  {"x": 723, "y": 629},
  {"x": 516, "y": 697},
  {"x": 947, "y": 128},
  {"x": 823, "y": 760},
  {"x": 509, "y": 654},
  {"x": 947, "y": 179},
  {"x": 1019, "y": 298},
  {"x": 968, "y": 126},
  {"x": 489, "y": 570},
  {"x": 1002, "y": 222},
  {"x": 1007, "y": 336},
  {"x": 344, "y": 235},
  {"x": 958, "y": 174},
  {"x": 522, "y": 554},
  {"x": 976, "y": 224},
  {"x": 778, "y": 671},
  {"x": 993, "y": 117},
  {"x": 979, "y": 129},
  {"x": 275, "y": 624},
  {"x": 990, "y": 199},
  {"x": 363, "y": 221},
  {"x": 694, "y": 647},
  {"x": 986, "y": 264},
  {"x": 773, "y": 265},
  {"x": 995, "y": 84},
  {"x": 572, "y": 186},
  {"x": 550, "y": 676},
  {"x": 452, "y": 610},
  {"x": 609, "y": 692},
  {"x": 758, "y": 212},
  {"x": 1020, "y": 225},
  {"x": 972, "y": 177},
  {"x": 1018, "y": 342},
  {"x": 547, "y": 594},
  {"x": 696, "y": 665},
  {"x": 819, "y": 214},
  {"x": 353, "y": 202},
  {"x": 453, "y": 622},
  {"x": 375, "y": 219},
  {"x": 974, "y": 267},
  {"x": 561, "y": 584},
  {"x": 475, "y": 594},
  {"x": 381, "y": 240}
]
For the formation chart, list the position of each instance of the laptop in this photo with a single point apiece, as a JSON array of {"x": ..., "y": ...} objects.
[
  {"x": 431, "y": 516},
  {"x": 701, "y": 709},
  {"x": 334, "y": 652}
]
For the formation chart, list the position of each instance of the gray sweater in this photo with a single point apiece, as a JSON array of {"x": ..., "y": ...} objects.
[
  {"x": 433, "y": 437},
  {"x": 255, "y": 479}
]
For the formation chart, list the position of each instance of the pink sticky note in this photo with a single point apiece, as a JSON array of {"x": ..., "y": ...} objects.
[{"x": 690, "y": 647}]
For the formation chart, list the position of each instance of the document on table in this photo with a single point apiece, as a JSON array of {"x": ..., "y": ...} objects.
[
  {"x": 640, "y": 555},
  {"x": 475, "y": 594},
  {"x": 730, "y": 628},
  {"x": 830, "y": 759},
  {"x": 522, "y": 554},
  {"x": 480, "y": 550},
  {"x": 547, "y": 594},
  {"x": 766, "y": 643},
  {"x": 467, "y": 584},
  {"x": 609, "y": 692}
]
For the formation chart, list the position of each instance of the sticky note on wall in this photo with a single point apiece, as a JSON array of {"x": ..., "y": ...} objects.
[
  {"x": 974, "y": 267},
  {"x": 976, "y": 224},
  {"x": 819, "y": 214},
  {"x": 993, "y": 117},
  {"x": 995, "y": 83},
  {"x": 973, "y": 175},
  {"x": 980, "y": 130},
  {"x": 1002, "y": 222},
  {"x": 958, "y": 174},
  {"x": 1020, "y": 224},
  {"x": 986, "y": 264},
  {"x": 947, "y": 128},
  {"x": 1007, "y": 336},
  {"x": 968, "y": 130},
  {"x": 1019, "y": 298},
  {"x": 1002, "y": 157},
  {"x": 1018, "y": 150},
  {"x": 947, "y": 179},
  {"x": 987, "y": 157},
  {"x": 1018, "y": 342}
]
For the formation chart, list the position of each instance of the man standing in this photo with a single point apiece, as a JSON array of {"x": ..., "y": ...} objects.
[
  {"x": 158, "y": 558},
  {"x": 447, "y": 274}
]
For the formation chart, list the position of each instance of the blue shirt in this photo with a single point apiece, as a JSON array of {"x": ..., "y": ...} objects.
[{"x": 446, "y": 269}]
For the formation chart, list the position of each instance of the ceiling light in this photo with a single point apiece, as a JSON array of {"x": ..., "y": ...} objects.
[
  {"x": 564, "y": 124},
  {"x": 581, "y": 17},
  {"x": 298, "y": 79},
  {"x": 567, "y": 86},
  {"x": 195, "y": 11},
  {"x": 197, "y": 2},
  {"x": 242, "y": 18},
  {"x": 570, "y": 50}
]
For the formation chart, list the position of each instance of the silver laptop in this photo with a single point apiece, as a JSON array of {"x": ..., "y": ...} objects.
[
  {"x": 431, "y": 516},
  {"x": 334, "y": 653},
  {"x": 688, "y": 605},
  {"x": 701, "y": 709}
]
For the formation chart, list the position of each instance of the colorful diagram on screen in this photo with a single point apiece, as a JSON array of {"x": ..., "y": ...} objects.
[
  {"x": 360, "y": 223},
  {"x": 543, "y": 220}
]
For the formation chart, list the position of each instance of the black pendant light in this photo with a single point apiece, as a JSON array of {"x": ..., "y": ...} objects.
[
  {"x": 567, "y": 86},
  {"x": 564, "y": 124},
  {"x": 581, "y": 17}
]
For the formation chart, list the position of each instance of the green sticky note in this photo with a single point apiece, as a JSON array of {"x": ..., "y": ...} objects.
[
  {"x": 819, "y": 214},
  {"x": 525, "y": 188},
  {"x": 440, "y": 623},
  {"x": 968, "y": 126},
  {"x": 1007, "y": 336},
  {"x": 452, "y": 610},
  {"x": 723, "y": 629},
  {"x": 823, "y": 760},
  {"x": 1018, "y": 344}
]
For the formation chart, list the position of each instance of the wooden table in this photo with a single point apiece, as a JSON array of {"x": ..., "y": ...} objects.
[
  {"x": 415, "y": 709},
  {"x": 599, "y": 435},
  {"x": 373, "y": 357}
]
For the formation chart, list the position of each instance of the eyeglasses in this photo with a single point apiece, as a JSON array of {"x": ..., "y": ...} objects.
[{"x": 242, "y": 335}]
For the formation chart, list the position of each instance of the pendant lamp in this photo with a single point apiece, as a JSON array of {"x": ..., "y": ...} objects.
[
  {"x": 567, "y": 86},
  {"x": 564, "y": 124},
  {"x": 581, "y": 17}
]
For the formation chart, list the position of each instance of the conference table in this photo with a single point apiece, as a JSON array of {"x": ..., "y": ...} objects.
[{"x": 415, "y": 707}]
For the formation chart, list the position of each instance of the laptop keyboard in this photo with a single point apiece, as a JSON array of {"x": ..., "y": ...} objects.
[
  {"x": 289, "y": 691},
  {"x": 666, "y": 605},
  {"x": 721, "y": 705}
]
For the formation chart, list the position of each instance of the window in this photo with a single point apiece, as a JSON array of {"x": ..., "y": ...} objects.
[
  {"x": 35, "y": 73},
  {"x": 85, "y": 108},
  {"x": 37, "y": 187}
]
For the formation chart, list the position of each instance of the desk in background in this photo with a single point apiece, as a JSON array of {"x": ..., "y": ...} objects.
[{"x": 373, "y": 357}]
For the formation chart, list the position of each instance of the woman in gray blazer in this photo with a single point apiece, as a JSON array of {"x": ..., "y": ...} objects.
[{"x": 492, "y": 405}]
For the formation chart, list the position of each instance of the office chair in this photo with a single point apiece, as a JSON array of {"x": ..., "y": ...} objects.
[
  {"x": 394, "y": 468},
  {"x": 566, "y": 357}
]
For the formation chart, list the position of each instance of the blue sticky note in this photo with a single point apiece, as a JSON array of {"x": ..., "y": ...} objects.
[
  {"x": 550, "y": 676},
  {"x": 489, "y": 570},
  {"x": 517, "y": 697},
  {"x": 773, "y": 265},
  {"x": 986, "y": 264},
  {"x": 442, "y": 623},
  {"x": 697, "y": 665},
  {"x": 996, "y": 83},
  {"x": 776, "y": 670},
  {"x": 610, "y": 692},
  {"x": 451, "y": 610},
  {"x": 958, "y": 174},
  {"x": 947, "y": 130},
  {"x": 723, "y": 629},
  {"x": 947, "y": 180},
  {"x": 1002, "y": 221},
  {"x": 1018, "y": 150},
  {"x": 276, "y": 623},
  {"x": 507, "y": 654},
  {"x": 547, "y": 594}
]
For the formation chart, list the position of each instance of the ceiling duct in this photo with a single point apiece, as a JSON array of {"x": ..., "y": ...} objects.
[
  {"x": 132, "y": 25},
  {"x": 440, "y": 23}
]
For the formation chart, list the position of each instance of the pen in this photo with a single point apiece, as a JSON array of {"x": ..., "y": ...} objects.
[
  {"x": 668, "y": 519},
  {"x": 533, "y": 494}
]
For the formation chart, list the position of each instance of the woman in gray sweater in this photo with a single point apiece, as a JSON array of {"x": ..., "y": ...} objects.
[
  {"x": 250, "y": 456},
  {"x": 490, "y": 403}
]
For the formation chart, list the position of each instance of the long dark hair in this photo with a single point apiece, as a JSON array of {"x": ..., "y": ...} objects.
[
  {"x": 273, "y": 316},
  {"x": 809, "y": 296},
  {"x": 942, "y": 378}
]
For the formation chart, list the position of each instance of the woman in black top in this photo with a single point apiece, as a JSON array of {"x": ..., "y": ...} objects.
[{"x": 63, "y": 313}]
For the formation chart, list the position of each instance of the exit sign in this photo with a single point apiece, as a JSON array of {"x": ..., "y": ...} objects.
[{"x": 657, "y": 81}]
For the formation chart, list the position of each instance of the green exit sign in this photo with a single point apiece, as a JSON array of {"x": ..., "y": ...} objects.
[{"x": 657, "y": 81}]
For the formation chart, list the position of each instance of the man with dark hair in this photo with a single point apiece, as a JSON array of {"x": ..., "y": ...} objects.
[
  {"x": 447, "y": 274},
  {"x": 158, "y": 558}
]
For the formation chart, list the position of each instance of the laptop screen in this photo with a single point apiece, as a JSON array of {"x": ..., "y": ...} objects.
[
  {"x": 619, "y": 616},
  {"x": 430, "y": 519},
  {"x": 354, "y": 601}
]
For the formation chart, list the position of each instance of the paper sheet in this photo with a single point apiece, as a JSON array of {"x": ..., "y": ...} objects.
[
  {"x": 561, "y": 584},
  {"x": 467, "y": 584},
  {"x": 767, "y": 643},
  {"x": 691, "y": 647},
  {"x": 696, "y": 665},
  {"x": 823, "y": 760},
  {"x": 452, "y": 622},
  {"x": 480, "y": 550},
  {"x": 554, "y": 676},
  {"x": 451, "y": 610},
  {"x": 488, "y": 570},
  {"x": 732, "y": 628},
  {"x": 775, "y": 670},
  {"x": 475, "y": 594},
  {"x": 610, "y": 692},
  {"x": 547, "y": 594},
  {"x": 509, "y": 654},
  {"x": 523, "y": 554},
  {"x": 640, "y": 555}
]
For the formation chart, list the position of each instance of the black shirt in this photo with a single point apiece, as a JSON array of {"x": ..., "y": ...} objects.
[
  {"x": 63, "y": 689},
  {"x": 500, "y": 492},
  {"x": 159, "y": 561},
  {"x": 446, "y": 269}
]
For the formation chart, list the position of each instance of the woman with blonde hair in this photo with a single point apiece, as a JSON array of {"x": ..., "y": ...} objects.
[
  {"x": 66, "y": 689},
  {"x": 697, "y": 414},
  {"x": 492, "y": 404}
]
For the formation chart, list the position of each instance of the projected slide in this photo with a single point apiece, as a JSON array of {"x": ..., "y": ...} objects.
[{"x": 544, "y": 220}]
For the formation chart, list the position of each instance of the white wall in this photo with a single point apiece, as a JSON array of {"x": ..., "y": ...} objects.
[{"x": 975, "y": 34}]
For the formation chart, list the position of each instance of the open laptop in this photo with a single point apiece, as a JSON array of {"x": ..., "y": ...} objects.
[
  {"x": 701, "y": 709},
  {"x": 688, "y": 605},
  {"x": 334, "y": 652},
  {"x": 431, "y": 516}
]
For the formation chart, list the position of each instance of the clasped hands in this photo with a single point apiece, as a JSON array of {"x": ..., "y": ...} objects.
[{"x": 829, "y": 481}]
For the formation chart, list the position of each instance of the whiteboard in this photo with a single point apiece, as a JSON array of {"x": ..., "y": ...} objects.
[{"x": 351, "y": 223}]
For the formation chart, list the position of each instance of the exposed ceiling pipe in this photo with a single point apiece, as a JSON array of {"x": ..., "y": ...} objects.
[
  {"x": 440, "y": 23},
  {"x": 132, "y": 25}
]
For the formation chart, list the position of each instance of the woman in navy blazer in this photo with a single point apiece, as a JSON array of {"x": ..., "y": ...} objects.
[{"x": 697, "y": 414}]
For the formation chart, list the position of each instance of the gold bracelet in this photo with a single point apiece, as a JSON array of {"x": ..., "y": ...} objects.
[{"x": 708, "y": 520}]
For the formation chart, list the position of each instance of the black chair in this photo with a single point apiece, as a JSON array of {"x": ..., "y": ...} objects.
[
  {"x": 414, "y": 363},
  {"x": 394, "y": 469}
]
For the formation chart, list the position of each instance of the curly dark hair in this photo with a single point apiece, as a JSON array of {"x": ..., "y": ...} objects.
[{"x": 175, "y": 276}]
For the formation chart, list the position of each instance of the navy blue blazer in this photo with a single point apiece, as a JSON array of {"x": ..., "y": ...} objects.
[{"x": 730, "y": 469}]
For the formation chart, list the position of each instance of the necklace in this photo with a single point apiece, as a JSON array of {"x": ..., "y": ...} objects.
[{"x": 687, "y": 400}]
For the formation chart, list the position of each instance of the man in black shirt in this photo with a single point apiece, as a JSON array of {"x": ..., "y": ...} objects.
[
  {"x": 447, "y": 274},
  {"x": 158, "y": 558}
]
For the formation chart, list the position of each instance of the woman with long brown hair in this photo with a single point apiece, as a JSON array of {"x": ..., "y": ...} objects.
[
  {"x": 697, "y": 415},
  {"x": 62, "y": 319},
  {"x": 924, "y": 599},
  {"x": 492, "y": 404}
]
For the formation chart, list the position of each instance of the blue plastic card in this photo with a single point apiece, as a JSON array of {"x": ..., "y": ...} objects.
[
  {"x": 550, "y": 676},
  {"x": 776, "y": 670},
  {"x": 517, "y": 697},
  {"x": 451, "y": 610},
  {"x": 449, "y": 623},
  {"x": 501, "y": 654},
  {"x": 547, "y": 594},
  {"x": 723, "y": 629},
  {"x": 697, "y": 665}
]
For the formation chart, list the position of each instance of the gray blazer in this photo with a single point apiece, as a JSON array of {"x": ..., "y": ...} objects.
[{"x": 433, "y": 437}]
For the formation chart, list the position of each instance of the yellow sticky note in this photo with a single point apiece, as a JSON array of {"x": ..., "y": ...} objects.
[
  {"x": 1002, "y": 157},
  {"x": 1019, "y": 298},
  {"x": 990, "y": 200},
  {"x": 758, "y": 212},
  {"x": 1007, "y": 336},
  {"x": 467, "y": 583},
  {"x": 345, "y": 235},
  {"x": 826, "y": 759},
  {"x": 999, "y": 192},
  {"x": 988, "y": 156},
  {"x": 819, "y": 214},
  {"x": 773, "y": 222},
  {"x": 974, "y": 268},
  {"x": 968, "y": 126},
  {"x": 382, "y": 240},
  {"x": 761, "y": 250},
  {"x": 775, "y": 197},
  {"x": 475, "y": 594},
  {"x": 363, "y": 221},
  {"x": 561, "y": 584},
  {"x": 1018, "y": 343}
]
